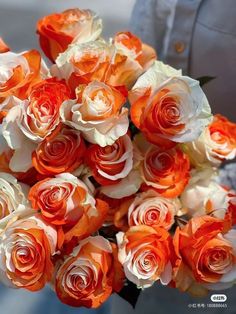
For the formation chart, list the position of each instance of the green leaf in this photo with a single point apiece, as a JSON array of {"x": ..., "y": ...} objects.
[
  {"x": 133, "y": 129},
  {"x": 205, "y": 79}
]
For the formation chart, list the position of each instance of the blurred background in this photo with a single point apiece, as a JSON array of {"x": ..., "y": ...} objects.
[{"x": 17, "y": 26}]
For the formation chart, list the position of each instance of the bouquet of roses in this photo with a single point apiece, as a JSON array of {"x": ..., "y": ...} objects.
[{"x": 109, "y": 169}]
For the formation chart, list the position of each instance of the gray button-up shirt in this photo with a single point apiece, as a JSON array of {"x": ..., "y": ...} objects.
[{"x": 198, "y": 36}]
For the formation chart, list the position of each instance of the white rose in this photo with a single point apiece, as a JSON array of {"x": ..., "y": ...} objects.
[{"x": 203, "y": 195}]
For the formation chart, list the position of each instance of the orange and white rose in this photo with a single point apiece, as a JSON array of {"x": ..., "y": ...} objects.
[
  {"x": 111, "y": 163},
  {"x": 128, "y": 44},
  {"x": 66, "y": 201},
  {"x": 84, "y": 63},
  {"x": 145, "y": 253},
  {"x": 205, "y": 255},
  {"x": 41, "y": 112},
  {"x": 32, "y": 120},
  {"x": 26, "y": 248},
  {"x": 19, "y": 72},
  {"x": 166, "y": 171},
  {"x": 58, "y": 30},
  {"x": 88, "y": 276},
  {"x": 98, "y": 113},
  {"x": 13, "y": 195},
  {"x": 167, "y": 107},
  {"x": 216, "y": 144},
  {"x": 131, "y": 58},
  {"x": 131, "y": 46},
  {"x": 110, "y": 62},
  {"x": 150, "y": 209},
  {"x": 51, "y": 155},
  {"x": 29, "y": 177},
  {"x": 204, "y": 195}
]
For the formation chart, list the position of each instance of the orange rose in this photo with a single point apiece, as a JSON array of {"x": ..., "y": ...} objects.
[
  {"x": 18, "y": 73},
  {"x": 205, "y": 255},
  {"x": 166, "y": 171},
  {"x": 89, "y": 275},
  {"x": 145, "y": 254},
  {"x": 65, "y": 201},
  {"x": 26, "y": 248},
  {"x": 51, "y": 155},
  {"x": 112, "y": 163},
  {"x": 57, "y": 31},
  {"x": 3, "y": 46}
]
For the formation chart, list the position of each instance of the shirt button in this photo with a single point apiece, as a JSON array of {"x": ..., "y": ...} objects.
[{"x": 179, "y": 46}]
